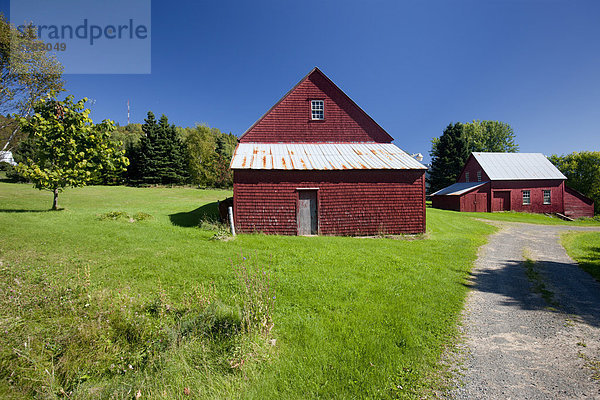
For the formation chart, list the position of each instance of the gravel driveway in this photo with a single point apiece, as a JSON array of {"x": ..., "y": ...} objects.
[{"x": 518, "y": 343}]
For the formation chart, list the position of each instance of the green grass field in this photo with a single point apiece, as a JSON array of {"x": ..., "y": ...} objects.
[
  {"x": 101, "y": 308},
  {"x": 585, "y": 249}
]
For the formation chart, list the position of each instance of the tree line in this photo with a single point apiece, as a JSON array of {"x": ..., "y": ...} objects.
[
  {"x": 161, "y": 153},
  {"x": 158, "y": 153}
]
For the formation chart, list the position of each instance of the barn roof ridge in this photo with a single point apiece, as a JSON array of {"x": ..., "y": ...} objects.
[{"x": 336, "y": 87}]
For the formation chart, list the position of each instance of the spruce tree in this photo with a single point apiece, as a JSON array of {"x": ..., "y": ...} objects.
[
  {"x": 161, "y": 157},
  {"x": 174, "y": 160},
  {"x": 149, "y": 152},
  {"x": 448, "y": 158}
]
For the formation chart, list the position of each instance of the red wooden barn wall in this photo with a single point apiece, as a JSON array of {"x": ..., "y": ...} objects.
[
  {"x": 535, "y": 188},
  {"x": 577, "y": 205},
  {"x": 446, "y": 202},
  {"x": 476, "y": 200},
  {"x": 472, "y": 167},
  {"x": 485, "y": 198},
  {"x": 289, "y": 120},
  {"x": 350, "y": 202}
]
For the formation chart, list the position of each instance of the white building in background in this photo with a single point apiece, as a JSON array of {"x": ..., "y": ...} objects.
[{"x": 7, "y": 157}]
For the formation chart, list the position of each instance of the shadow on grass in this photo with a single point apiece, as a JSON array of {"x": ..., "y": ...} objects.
[
  {"x": 192, "y": 218},
  {"x": 571, "y": 289},
  {"x": 8, "y": 210}
]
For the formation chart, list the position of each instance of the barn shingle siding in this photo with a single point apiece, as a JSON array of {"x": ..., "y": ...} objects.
[
  {"x": 350, "y": 199},
  {"x": 289, "y": 120},
  {"x": 350, "y": 202}
]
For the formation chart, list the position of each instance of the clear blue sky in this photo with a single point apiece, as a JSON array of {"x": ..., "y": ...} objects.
[{"x": 414, "y": 66}]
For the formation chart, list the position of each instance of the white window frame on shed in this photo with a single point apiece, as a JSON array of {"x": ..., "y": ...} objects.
[
  {"x": 547, "y": 196},
  {"x": 317, "y": 110},
  {"x": 526, "y": 197}
]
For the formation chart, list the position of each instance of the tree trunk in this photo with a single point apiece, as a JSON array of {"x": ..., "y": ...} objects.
[{"x": 55, "y": 202}]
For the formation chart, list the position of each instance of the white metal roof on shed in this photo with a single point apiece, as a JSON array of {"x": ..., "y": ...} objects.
[
  {"x": 517, "y": 166},
  {"x": 321, "y": 156},
  {"x": 458, "y": 188}
]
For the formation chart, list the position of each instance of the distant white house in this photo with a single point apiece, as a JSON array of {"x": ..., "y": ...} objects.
[{"x": 7, "y": 157}]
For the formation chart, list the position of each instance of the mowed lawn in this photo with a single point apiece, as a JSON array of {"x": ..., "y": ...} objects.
[
  {"x": 585, "y": 249},
  {"x": 353, "y": 317}
]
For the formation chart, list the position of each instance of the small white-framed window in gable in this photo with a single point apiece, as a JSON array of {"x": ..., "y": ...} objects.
[
  {"x": 526, "y": 197},
  {"x": 467, "y": 176},
  {"x": 547, "y": 198},
  {"x": 479, "y": 176},
  {"x": 317, "y": 109}
]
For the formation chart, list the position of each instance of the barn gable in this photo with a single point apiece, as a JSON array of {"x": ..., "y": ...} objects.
[
  {"x": 290, "y": 119},
  {"x": 316, "y": 163}
]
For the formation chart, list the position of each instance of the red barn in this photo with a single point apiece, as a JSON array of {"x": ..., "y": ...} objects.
[
  {"x": 525, "y": 182},
  {"x": 316, "y": 163}
]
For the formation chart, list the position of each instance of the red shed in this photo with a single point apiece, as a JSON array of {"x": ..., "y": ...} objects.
[
  {"x": 526, "y": 182},
  {"x": 316, "y": 163}
]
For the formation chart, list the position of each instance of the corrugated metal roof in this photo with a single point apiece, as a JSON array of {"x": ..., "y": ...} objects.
[
  {"x": 458, "y": 188},
  {"x": 517, "y": 166},
  {"x": 321, "y": 156}
]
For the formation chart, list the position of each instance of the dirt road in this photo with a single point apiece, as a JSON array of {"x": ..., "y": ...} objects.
[{"x": 532, "y": 330}]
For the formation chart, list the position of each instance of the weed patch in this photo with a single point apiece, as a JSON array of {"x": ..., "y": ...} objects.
[
  {"x": 257, "y": 294},
  {"x": 121, "y": 215}
]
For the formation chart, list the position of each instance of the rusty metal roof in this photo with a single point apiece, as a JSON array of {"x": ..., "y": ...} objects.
[{"x": 321, "y": 156}]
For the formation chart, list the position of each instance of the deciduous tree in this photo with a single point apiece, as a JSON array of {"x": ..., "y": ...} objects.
[
  {"x": 66, "y": 147},
  {"x": 27, "y": 73},
  {"x": 582, "y": 170},
  {"x": 487, "y": 136},
  {"x": 490, "y": 136}
]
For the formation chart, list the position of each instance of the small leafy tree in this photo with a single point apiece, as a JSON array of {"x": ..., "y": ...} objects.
[
  {"x": 66, "y": 146},
  {"x": 448, "y": 156},
  {"x": 582, "y": 170}
]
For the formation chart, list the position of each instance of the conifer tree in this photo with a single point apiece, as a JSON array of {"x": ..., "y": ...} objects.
[
  {"x": 174, "y": 160},
  {"x": 161, "y": 157},
  {"x": 448, "y": 157},
  {"x": 148, "y": 154}
]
